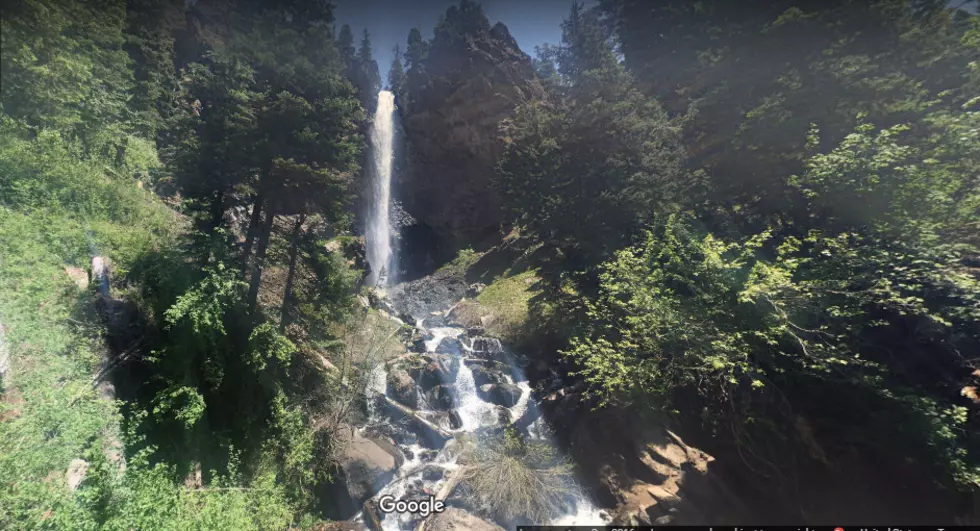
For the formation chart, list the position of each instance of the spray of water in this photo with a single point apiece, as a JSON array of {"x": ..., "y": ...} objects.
[{"x": 378, "y": 234}]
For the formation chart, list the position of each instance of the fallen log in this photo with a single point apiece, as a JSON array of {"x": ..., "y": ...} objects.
[
  {"x": 372, "y": 517},
  {"x": 447, "y": 488},
  {"x": 436, "y": 434}
]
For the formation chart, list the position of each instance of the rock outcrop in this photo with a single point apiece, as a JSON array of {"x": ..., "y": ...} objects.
[
  {"x": 453, "y": 519},
  {"x": 473, "y": 78},
  {"x": 641, "y": 467},
  {"x": 366, "y": 465}
]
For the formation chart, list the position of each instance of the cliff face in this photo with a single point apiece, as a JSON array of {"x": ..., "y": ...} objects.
[{"x": 472, "y": 78}]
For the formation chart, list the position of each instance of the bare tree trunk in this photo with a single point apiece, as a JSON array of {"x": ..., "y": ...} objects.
[
  {"x": 287, "y": 296},
  {"x": 253, "y": 228},
  {"x": 253, "y": 289}
]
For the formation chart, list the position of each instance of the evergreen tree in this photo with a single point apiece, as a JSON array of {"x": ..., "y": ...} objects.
[
  {"x": 364, "y": 51},
  {"x": 151, "y": 26},
  {"x": 345, "y": 44},
  {"x": 582, "y": 174},
  {"x": 416, "y": 51},
  {"x": 396, "y": 75},
  {"x": 63, "y": 67}
]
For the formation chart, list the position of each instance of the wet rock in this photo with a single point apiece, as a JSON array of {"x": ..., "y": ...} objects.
[
  {"x": 497, "y": 416},
  {"x": 417, "y": 345},
  {"x": 367, "y": 465},
  {"x": 432, "y": 473},
  {"x": 438, "y": 369},
  {"x": 449, "y": 345},
  {"x": 401, "y": 387},
  {"x": 487, "y": 347},
  {"x": 502, "y": 394},
  {"x": 531, "y": 414},
  {"x": 455, "y": 421},
  {"x": 474, "y": 331},
  {"x": 475, "y": 289},
  {"x": 441, "y": 397},
  {"x": 485, "y": 374},
  {"x": 455, "y": 519}
]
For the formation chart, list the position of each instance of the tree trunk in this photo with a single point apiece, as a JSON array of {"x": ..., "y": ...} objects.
[
  {"x": 217, "y": 210},
  {"x": 253, "y": 228},
  {"x": 216, "y": 214},
  {"x": 287, "y": 295},
  {"x": 253, "y": 289}
]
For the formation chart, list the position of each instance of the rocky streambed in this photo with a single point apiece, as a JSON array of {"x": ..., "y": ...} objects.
[{"x": 454, "y": 390}]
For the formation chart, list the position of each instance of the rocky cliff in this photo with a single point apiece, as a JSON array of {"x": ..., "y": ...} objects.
[{"x": 473, "y": 77}]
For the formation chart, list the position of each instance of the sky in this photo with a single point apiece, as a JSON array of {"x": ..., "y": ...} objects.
[{"x": 531, "y": 22}]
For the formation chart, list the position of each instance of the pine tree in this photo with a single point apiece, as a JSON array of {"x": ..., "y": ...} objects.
[
  {"x": 583, "y": 173},
  {"x": 396, "y": 75},
  {"x": 345, "y": 44},
  {"x": 416, "y": 51}
]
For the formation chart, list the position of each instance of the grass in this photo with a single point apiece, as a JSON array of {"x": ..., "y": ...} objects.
[
  {"x": 57, "y": 415},
  {"x": 505, "y": 304},
  {"x": 465, "y": 258},
  {"x": 56, "y": 209}
]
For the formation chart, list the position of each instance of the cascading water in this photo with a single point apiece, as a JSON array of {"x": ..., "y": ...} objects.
[
  {"x": 378, "y": 233},
  {"x": 425, "y": 471}
]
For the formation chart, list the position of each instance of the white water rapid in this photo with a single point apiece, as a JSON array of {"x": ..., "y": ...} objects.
[
  {"x": 426, "y": 469},
  {"x": 378, "y": 230}
]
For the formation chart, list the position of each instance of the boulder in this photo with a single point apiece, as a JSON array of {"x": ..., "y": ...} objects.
[
  {"x": 487, "y": 346},
  {"x": 439, "y": 369},
  {"x": 455, "y": 421},
  {"x": 497, "y": 416},
  {"x": 449, "y": 345},
  {"x": 402, "y": 387},
  {"x": 487, "y": 374},
  {"x": 77, "y": 470},
  {"x": 475, "y": 289},
  {"x": 455, "y": 519},
  {"x": 367, "y": 465},
  {"x": 432, "y": 473},
  {"x": 502, "y": 394},
  {"x": 441, "y": 397}
]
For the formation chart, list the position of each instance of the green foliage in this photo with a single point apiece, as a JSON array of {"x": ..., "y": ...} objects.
[
  {"x": 761, "y": 73},
  {"x": 583, "y": 173},
  {"x": 458, "y": 266},
  {"x": 261, "y": 119},
  {"x": 64, "y": 67},
  {"x": 506, "y": 300},
  {"x": 266, "y": 343},
  {"x": 684, "y": 312}
]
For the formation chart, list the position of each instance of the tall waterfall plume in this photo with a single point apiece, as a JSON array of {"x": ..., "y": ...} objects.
[{"x": 378, "y": 234}]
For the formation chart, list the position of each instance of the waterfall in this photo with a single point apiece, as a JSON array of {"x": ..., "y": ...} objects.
[{"x": 378, "y": 233}]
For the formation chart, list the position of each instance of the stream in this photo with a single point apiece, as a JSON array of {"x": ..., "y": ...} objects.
[{"x": 426, "y": 470}]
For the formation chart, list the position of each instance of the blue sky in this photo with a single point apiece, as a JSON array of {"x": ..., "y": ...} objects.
[{"x": 531, "y": 22}]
